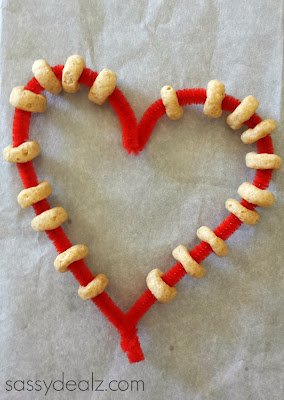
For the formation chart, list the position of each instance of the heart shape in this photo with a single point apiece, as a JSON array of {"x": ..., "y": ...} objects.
[{"x": 134, "y": 138}]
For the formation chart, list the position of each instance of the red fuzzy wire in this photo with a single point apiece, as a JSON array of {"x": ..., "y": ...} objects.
[{"x": 134, "y": 138}]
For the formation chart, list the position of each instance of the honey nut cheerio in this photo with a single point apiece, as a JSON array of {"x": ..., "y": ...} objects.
[
  {"x": 263, "y": 161},
  {"x": 50, "y": 219},
  {"x": 46, "y": 77},
  {"x": 27, "y": 101},
  {"x": 103, "y": 86},
  {"x": 261, "y": 130},
  {"x": 67, "y": 257},
  {"x": 217, "y": 244},
  {"x": 27, "y": 151},
  {"x": 254, "y": 195},
  {"x": 32, "y": 195},
  {"x": 170, "y": 101},
  {"x": 71, "y": 73},
  {"x": 214, "y": 96},
  {"x": 94, "y": 288},
  {"x": 181, "y": 254},
  {"x": 159, "y": 289},
  {"x": 245, "y": 215},
  {"x": 243, "y": 112}
]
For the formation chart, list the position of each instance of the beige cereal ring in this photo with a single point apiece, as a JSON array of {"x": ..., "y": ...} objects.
[
  {"x": 74, "y": 253},
  {"x": 26, "y": 100},
  {"x": 94, "y": 288},
  {"x": 50, "y": 219},
  {"x": 215, "y": 95},
  {"x": 46, "y": 77},
  {"x": 159, "y": 289},
  {"x": 243, "y": 112},
  {"x": 245, "y": 215},
  {"x": 32, "y": 195},
  {"x": 103, "y": 86},
  {"x": 263, "y": 161},
  {"x": 254, "y": 195},
  {"x": 181, "y": 254},
  {"x": 261, "y": 130},
  {"x": 217, "y": 244},
  {"x": 27, "y": 151},
  {"x": 170, "y": 101},
  {"x": 71, "y": 73}
]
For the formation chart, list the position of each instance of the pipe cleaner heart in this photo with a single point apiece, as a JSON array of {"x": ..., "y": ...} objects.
[{"x": 134, "y": 138}]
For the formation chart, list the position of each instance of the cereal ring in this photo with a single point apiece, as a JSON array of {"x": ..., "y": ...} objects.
[
  {"x": 245, "y": 215},
  {"x": 159, "y": 289},
  {"x": 103, "y": 86},
  {"x": 243, "y": 112},
  {"x": 261, "y": 130},
  {"x": 32, "y": 195},
  {"x": 46, "y": 77},
  {"x": 215, "y": 95},
  {"x": 94, "y": 288},
  {"x": 263, "y": 161},
  {"x": 254, "y": 195},
  {"x": 50, "y": 219},
  {"x": 217, "y": 244},
  {"x": 27, "y": 151},
  {"x": 26, "y": 100},
  {"x": 74, "y": 253},
  {"x": 181, "y": 254},
  {"x": 170, "y": 101},
  {"x": 71, "y": 73}
]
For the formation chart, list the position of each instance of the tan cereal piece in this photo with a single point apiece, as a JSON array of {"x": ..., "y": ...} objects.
[
  {"x": 94, "y": 288},
  {"x": 218, "y": 245},
  {"x": 50, "y": 219},
  {"x": 74, "y": 253},
  {"x": 27, "y": 151},
  {"x": 26, "y": 100},
  {"x": 32, "y": 195},
  {"x": 181, "y": 254},
  {"x": 263, "y": 161},
  {"x": 103, "y": 86},
  {"x": 254, "y": 195},
  {"x": 163, "y": 292},
  {"x": 46, "y": 77},
  {"x": 261, "y": 130},
  {"x": 71, "y": 73},
  {"x": 170, "y": 101},
  {"x": 243, "y": 112},
  {"x": 215, "y": 95},
  {"x": 245, "y": 215}
]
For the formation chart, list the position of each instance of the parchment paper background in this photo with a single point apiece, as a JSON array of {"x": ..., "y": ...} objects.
[{"x": 222, "y": 338}]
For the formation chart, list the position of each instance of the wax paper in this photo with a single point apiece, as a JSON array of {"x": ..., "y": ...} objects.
[{"x": 222, "y": 337}]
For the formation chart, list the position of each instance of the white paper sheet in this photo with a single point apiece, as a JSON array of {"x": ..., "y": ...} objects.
[{"x": 222, "y": 338}]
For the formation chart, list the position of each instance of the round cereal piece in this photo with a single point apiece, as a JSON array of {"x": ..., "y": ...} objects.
[
  {"x": 170, "y": 101},
  {"x": 261, "y": 130},
  {"x": 217, "y": 244},
  {"x": 263, "y": 161},
  {"x": 181, "y": 254},
  {"x": 26, "y": 100},
  {"x": 50, "y": 219},
  {"x": 245, "y": 215},
  {"x": 243, "y": 112},
  {"x": 71, "y": 73},
  {"x": 163, "y": 292},
  {"x": 46, "y": 77},
  {"x": 215, "y": 95},
  {"x": 103, "y": 86},
  {"x": 254, "y": 195},
  {"x": 27, "y": 151},
  {"x": 32, "y": 195},
  {"x": 74, "y": 253},
  {"x": 94, "y": 288}
]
